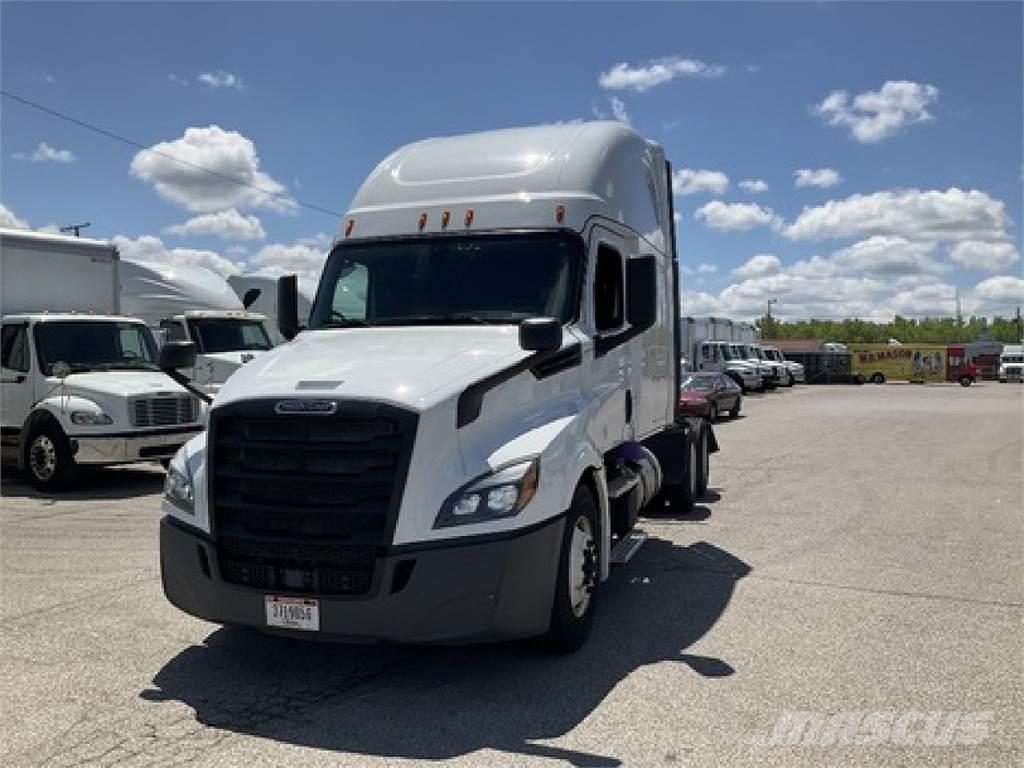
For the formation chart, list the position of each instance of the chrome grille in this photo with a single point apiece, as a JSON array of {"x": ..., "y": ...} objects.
[{"x": 163, "y": 411}]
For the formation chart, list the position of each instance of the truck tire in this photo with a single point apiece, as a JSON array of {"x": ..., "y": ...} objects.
[
  {"x": 735, "y": 411},
  {"x": 877, "y": 378},
  {"x": 703, "y": 465},
  {"x": 48, "y": 459},
  {"x": 572, "y": 611},
  {"x": 966, "y": 381},
  {"x": 791, "y": 381},
  {"x": 681, "y": 497}
]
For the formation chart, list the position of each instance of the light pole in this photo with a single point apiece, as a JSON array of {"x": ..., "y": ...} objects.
[{"x": 770, "y": 302}]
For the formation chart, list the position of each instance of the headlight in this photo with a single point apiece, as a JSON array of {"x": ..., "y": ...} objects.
[
  {"x": 501, "y": 494},
  {"x": 178, "y": 489},
  {"x": 90, "y": 418}
]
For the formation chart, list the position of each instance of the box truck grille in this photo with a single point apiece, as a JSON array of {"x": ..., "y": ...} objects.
[
  {"x": 305, "y": 501},
  {"x": 163, "y": 411}
]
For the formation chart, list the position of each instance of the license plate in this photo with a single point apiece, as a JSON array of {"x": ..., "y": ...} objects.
[{"x": 293, "y": 613}]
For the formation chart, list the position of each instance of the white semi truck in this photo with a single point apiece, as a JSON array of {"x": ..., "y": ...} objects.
[
  {"x": 181, "y": 302},
  {"x": 79, "y": 382},
  {"x": 1011, "y": 363},
  {"x": 458, "y": 444}
]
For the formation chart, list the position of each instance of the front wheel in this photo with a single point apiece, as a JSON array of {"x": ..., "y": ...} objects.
[
  {"x": 48, "y": 459},
  {"x": 877, "y": 378},
  {"x": 735, "y": 412},
  {"x": 966, "y": 381},
  {"x": 792, "y": 380},
  {"x": 572, "y": 612}
]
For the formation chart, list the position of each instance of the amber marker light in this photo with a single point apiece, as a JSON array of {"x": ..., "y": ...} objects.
[{"x": 559, "y": 213}]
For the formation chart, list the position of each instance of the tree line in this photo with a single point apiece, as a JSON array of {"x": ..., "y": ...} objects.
[{"x": 928, "y": 330}]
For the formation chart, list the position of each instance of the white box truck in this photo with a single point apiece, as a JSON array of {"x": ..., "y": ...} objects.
[
  {"x": 183, "y": 302},
  {"x": 79, "y": 383},
  {"x": 458, "y": 445},
  {"x": 1011, "y": 363},
  {"x": 706, "y": 345}
]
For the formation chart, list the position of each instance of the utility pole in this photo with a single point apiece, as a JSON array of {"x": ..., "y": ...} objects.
[
  {"x": 76, "y": 228},
  {"x": 959, "y": 314},
  {"x": 1020, "y": 326},
  {"x": 770, "y": 302}
]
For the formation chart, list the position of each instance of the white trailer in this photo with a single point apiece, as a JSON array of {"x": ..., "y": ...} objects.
[
  {"x": 79, "y": 384},
  {"x": 458, "y": 445},
  {"x": 187, "y": 302}
]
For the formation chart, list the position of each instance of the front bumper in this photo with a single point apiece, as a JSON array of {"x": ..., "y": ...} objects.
[
  {"x": 461, "y": 591},
  {"x": 129, "y": 447}
]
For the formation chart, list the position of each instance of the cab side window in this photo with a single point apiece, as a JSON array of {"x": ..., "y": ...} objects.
[
  {"x": 707, "y": 352},
  {"x": 15, "y": 348},
  {"x": 609, "y": 311},
  {"x": 174, "y": 330}
]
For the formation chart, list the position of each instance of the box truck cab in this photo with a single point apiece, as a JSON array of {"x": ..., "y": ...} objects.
[
  {"x": 771, "y": 373},
  {"x": 182, "y": 302},
  {"x": 720, "y": 356},
  {"x": 486, "y": 395},
  {"x": 1011, "y": 363},
  {"x": 258, "y": 293},
  {"x": 794, "y": 372},
  {"x": 79, "y": 383}
]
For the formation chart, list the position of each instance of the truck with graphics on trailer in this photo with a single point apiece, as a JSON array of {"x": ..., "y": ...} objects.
[
  {"x": 458, "y": 445},
  {"x": 918, "y": 363}
]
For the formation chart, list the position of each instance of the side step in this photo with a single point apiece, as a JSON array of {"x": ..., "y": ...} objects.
[{"x": 625, "y": 548}]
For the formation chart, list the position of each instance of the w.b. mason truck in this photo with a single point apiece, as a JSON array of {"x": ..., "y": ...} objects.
[{"x": 457, "y": 445}]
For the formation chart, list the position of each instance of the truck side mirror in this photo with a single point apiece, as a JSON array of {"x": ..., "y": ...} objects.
[
  {"x": 175, "y": 355},
  {"x": 642, "y": 291},
  {"x": 288, "y": 306},
  {"x": 540, "y": 334},
  {"x": 250, "y": 297}
]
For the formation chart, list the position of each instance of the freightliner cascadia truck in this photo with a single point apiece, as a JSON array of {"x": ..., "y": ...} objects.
[{"x": 457, "y": 444}]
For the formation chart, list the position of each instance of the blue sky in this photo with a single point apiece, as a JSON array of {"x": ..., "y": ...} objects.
[{"x": 914, "y": 176}]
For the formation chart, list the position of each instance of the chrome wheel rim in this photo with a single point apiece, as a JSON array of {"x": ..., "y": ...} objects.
[
  {"x": 581, "y": 566},
  {"x": 43, "y": 457}
]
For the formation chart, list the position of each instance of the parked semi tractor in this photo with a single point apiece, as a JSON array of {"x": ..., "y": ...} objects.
[
  {"x": 1011, "y": 363},
  {"x": 79, "y": 382},
  {"x": 181, "y": 302},
  {"x": 919, "y": 363},
  {"x": 458, "y": 444}
]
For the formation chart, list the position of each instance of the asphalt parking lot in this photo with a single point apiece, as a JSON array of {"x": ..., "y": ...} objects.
[{"x": 857, "y": 561}]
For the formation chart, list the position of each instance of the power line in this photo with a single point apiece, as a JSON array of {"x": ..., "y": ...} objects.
[{"x": 144, "y": 148}]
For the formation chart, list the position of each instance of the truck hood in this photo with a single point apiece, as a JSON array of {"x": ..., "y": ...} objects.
[
  {"x": 118, "y": 383},
  {"x": 409, "y": 366}
]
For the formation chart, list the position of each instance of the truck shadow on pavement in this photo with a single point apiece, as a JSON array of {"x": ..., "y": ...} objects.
[
  {"x": 438, "y": 703},
  {"x": 92, "y": 483}
]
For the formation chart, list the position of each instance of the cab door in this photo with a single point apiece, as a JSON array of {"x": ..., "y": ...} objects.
[
  {"x": 614, "y": 367},
  {"x": 16, "y": 393}
]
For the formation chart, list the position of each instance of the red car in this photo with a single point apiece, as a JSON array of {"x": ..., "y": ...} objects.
[{"x": 709, "y": 394}]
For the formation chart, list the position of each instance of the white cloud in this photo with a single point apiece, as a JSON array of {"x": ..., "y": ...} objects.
[
  {"x": 687, "y": 181},
  {"x": 229, "y": 225},
  {"x": 9, "y": 219},
  {"x": 44, "y": 153},
  {"x": 619, "y": 110},
  {"x": 753, "y": 186},
  {"x": 47, "y": 78},
  {"x": 734, "y": 216},
  {"x": 875, "y": 115},
  {"x": 951, "y": 215},
  {"x": 707, "y": 269},
  {"x": 761, "y": 265},
  {"x": 933, "y": 299},
  {"x": 991, "y": 257},
  {"x": 643, "y": 77},
  {"x": 1004, "y": 290},
  {"x": 220, "y": 79},
  {"x": 888, "y": 255},
  {"x": 228, "y": 154},
  {"x": 177, "y": 80},
  {"x": 301, "y": 258},
  {"x": 817, "y": 177},
  {"x": 150, "y": 248}
]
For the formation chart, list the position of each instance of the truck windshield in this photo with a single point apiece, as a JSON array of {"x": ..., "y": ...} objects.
[
  {"x": 228, "y": 334},
  {"x": 95, "y": 346},
  {"x": 728, "y": 352},
  {"x": 483, "y": 279}
]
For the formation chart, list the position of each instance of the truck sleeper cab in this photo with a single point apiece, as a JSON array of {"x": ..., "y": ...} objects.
[
  {"x": 86, "y": 389},
  {"x": 485, "y": 398}
]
